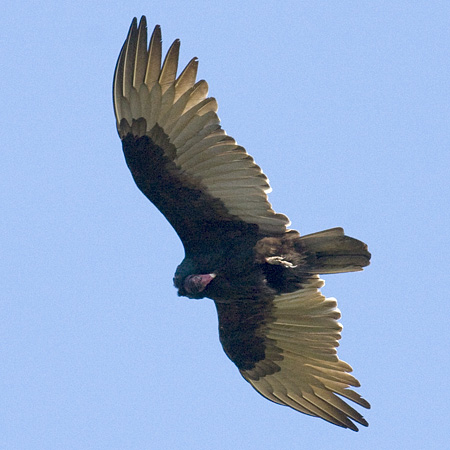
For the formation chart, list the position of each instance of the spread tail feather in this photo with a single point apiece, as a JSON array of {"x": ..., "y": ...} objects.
[{"x": 330, "y": 251}]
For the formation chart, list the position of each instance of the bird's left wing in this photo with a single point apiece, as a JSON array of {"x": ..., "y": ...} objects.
[
  {"x": 180, "y": 157},
  {"x": 286, "y": 349}
]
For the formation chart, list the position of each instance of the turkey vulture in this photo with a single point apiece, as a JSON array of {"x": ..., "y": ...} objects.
[{"x": 274, "y": 323}]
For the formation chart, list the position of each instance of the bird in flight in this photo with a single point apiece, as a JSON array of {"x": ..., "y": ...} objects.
[{"x": 274, "y": 323}]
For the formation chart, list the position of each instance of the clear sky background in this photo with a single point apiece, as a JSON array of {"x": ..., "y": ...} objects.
[{"x": 344, "y": 104}]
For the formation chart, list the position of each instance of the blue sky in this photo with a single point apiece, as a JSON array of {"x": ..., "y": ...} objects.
[{"x": 344, "y": 104}]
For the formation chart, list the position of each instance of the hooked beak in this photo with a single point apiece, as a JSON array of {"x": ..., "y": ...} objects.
[{"x": 206, "y": 279}]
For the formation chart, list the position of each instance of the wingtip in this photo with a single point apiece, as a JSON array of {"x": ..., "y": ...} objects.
[
  {"x": 157, "y": 32},
  {"x": 133, "y": 25}
]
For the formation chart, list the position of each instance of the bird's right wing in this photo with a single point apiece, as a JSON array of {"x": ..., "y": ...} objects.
[
  {"x": 286, "y": 349},
  {"x": 179, "y": 155}
]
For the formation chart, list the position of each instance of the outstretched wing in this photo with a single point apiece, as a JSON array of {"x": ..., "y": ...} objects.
[
  {"x": 286, "y": 349},
  {"x": 179, "y": 156}
]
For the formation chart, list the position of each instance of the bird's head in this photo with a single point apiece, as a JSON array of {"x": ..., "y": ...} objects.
[{"x": 189, "y": 282}]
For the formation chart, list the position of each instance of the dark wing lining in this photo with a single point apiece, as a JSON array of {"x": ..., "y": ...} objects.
[
  {"x": 198, "y": 218},
  {"x": 184, "y": 140},
  {"x": 240, "y": 324},
  {"x": 286, "y": 349}
]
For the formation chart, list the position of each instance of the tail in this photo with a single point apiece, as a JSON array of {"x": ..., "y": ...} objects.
[{"x": 330, "y": 251}]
